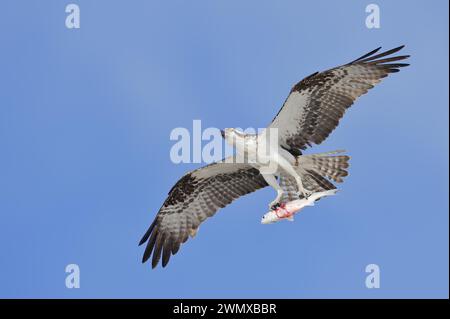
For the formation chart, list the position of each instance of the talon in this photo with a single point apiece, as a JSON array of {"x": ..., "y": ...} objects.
[
  {"x": 306, "y": 194},
  {"x": 275, "y": 206}
]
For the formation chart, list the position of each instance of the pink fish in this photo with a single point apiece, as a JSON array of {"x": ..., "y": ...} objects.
[{"x": 289, "y": 209}]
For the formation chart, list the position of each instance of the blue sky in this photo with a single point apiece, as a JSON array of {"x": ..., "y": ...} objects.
[{"x": 84, "y": 136}]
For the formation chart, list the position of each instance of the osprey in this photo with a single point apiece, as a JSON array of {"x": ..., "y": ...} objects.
[{"x": 274, "y": 156}]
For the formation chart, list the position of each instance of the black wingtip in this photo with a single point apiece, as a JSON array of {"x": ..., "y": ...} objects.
[
  {"x": 145, "y": 257},
  {"x": 394, "y": 50},
  {"x": 370, "y": 57},
  {"x": 376, "y": 58},
  {"x": 366, "y": 55},
  {"x": 397, "y": 48},
  {"x": 147, "y": 233},
  {"x": 143, "y": 240}
]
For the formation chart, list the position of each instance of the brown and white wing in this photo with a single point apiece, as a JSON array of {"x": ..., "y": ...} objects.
[
  {"x": 317, "y": 103},
  {"x": 194, "y": 198}
]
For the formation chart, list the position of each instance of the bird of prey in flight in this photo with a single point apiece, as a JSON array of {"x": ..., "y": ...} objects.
[{"x": 310, "y": 113}]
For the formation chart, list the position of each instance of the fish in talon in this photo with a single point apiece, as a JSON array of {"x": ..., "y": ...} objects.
[{"x": 289, "y": 209}]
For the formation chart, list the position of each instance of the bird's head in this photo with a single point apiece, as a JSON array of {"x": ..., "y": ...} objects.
[{"x": 232, "y": 135}]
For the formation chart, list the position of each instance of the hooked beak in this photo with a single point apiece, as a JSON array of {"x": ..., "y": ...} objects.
[{"x": 222, "y": 132}]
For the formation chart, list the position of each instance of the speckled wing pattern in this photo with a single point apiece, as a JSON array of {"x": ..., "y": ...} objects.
[
  {"x": 194, "y": 198},
  {"x": 317, "y": 103}
]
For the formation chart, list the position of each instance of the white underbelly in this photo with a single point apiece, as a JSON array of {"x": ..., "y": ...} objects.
[{"x": 270, "y": 161}]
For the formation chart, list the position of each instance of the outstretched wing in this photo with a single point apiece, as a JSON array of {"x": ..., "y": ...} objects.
[
  {"x": 317, "y": 103},
  {"x": 195, "y": 197}
]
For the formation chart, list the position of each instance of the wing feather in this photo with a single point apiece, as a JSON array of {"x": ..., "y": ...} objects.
[
  {"x": 316, "y": 104},
  {"x": 195, "y": 197}
]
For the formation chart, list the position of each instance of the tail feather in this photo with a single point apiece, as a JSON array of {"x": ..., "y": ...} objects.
[
  {"x": 320, "y": 182},
  {"x": 316, "y": 171},
  {"x": 327, "y": 164}
]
